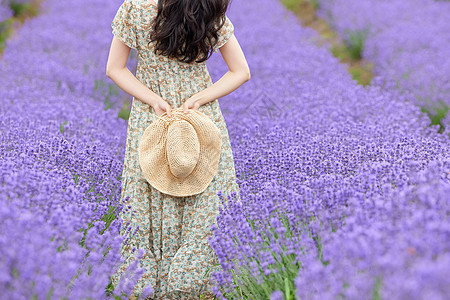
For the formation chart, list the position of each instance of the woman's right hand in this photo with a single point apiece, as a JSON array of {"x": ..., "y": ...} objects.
[{"x": 161, "y": 107}]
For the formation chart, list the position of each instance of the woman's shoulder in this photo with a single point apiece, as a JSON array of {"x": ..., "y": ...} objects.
[
  {"x": 142, "y": 3},
  {"x": 141, "y": 12},
  {"x": 139, "y": 4}
]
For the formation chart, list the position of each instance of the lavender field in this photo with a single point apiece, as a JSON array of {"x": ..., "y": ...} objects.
[
  {"x": 344, "y": 189},
  {"x": 408, "y": 41}
]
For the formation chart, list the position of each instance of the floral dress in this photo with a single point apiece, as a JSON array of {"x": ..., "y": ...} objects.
[{"x": 173, "y": 231}]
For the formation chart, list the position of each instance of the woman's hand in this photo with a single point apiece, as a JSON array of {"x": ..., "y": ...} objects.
[
  {"x": 192, "y": 103},
  {"x": 161, "y": 107}
]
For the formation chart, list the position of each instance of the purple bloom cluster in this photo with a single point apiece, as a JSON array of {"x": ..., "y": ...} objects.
[
  {"x": 408, "y": 41},
  {"x": 5, "y": 13},
  {"x": 394, "y": 245},
  {"x": 344, "y": 186}
]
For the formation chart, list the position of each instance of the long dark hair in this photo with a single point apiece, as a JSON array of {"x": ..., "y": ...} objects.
[{"x": 187, "y": 30}]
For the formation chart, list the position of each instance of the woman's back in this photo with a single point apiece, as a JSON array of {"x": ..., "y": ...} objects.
[
  {"x": 175, "y": 80},
  {"x": 173, "y": 230}
]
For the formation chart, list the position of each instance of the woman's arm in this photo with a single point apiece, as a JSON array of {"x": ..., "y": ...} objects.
[
  {"x": 238, "y": 74},
  {"x": 117, "y": 70}
]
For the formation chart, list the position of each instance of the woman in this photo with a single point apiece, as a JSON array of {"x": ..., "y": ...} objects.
[{"x": 173, "y": 38}]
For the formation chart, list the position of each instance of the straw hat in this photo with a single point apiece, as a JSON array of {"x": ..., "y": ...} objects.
[{"x": 179, "y": 155}]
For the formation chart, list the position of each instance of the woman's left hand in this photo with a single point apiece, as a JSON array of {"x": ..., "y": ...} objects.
[{"x": 192, "y": 103}]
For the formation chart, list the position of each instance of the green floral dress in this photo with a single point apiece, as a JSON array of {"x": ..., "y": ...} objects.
[{"x": 173, "y": 231}]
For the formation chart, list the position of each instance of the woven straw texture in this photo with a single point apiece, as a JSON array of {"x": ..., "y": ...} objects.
[
  {"x": 192, "y": 141},
  {"x": 173, "y": 231}
]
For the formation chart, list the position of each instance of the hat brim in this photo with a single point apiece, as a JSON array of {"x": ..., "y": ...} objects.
[{"x": 154, "y": 163}]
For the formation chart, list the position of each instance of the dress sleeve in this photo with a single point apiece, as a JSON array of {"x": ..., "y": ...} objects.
[
  {"x": 224, "y": 33},
  {"x": 124, "y": 24}
]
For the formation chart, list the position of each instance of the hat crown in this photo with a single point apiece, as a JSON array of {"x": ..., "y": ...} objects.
[
  {"x": 170, "y": 149},
  {"x": 182, "y": 148}
]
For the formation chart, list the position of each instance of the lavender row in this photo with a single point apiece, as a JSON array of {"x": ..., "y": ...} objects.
[
  {"x": 344, "y": 189},
  {"x": 408, "y": 41},
  {"x": 61, "y": 156}
]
